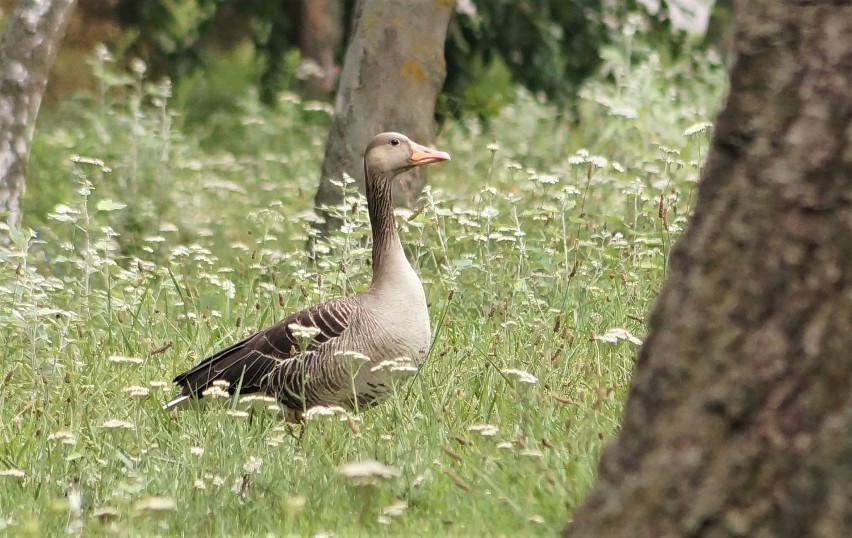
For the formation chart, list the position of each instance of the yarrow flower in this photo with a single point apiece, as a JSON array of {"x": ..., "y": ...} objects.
[
  {"x": 14, "y": 473},
  {"x": 615, "y": 335},
  {"x": 547, "y": 179},
  {"x": 324, "y": 411},
  {"x": 520, "y": 376},
  {"x": 697, "y": 128},
  {"x": 118, "y": 359},
  {"x": 485, "y": 430},
  {"x": 352, "y": 356},
  {"x": 136, "y": 391},
  {"x": 65, "y": 437},
  {"x": 252, "y": 465},
  {"x": 215, "y": 391},
  {"x": 156, "y": 504},
  {"x": 303, "y": 332},
  {"x": 367, "y": 472},
  {"x": 400, "y": 365},
  {"x": 115, "y": 424}
]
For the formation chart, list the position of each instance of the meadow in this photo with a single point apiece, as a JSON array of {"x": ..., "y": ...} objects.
[{"x": 149, "y": 243}]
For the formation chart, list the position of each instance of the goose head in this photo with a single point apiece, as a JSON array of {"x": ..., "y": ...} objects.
[{"x": 389, "y": 154}]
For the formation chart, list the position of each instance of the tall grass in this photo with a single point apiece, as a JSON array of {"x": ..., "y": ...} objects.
[{"x": 541, "y": 246}]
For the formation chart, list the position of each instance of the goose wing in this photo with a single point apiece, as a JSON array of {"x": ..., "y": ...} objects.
[{"x": 266, "y": 360}]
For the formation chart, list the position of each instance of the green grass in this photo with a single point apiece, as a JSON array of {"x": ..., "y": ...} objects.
[{"x": 537, "y": 239}]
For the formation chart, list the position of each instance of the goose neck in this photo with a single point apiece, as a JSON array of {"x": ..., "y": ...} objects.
[{"x": 387, "y": 249}]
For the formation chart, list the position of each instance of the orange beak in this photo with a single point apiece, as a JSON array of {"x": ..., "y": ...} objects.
[{"x": 422, "y": 155}]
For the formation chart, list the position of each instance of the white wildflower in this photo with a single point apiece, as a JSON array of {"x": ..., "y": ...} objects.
[
  {"x": 260, "y": 399},
  {"x": 520, "y": 375},
  {"x": 196, "y": 451},
  {"x": 116, "y": 424},
  {"x": 75, "y": 499},
  {"x": 489, "y": 212},
  {"x": 136, "y": 391},
  {"x": 531, "y": 452},
  {"x": 324, "y": 411},
  {"x": 547, "y": 179},
  {"x": 229, "y": 288},
  {"x": 236, "y": 413},
  {"x": 403, "y": 366},
  {"x": 367, "y": 472},
  {"x": 15, "y": 473},
  {"x": 352, "y": 356},
  {"x": 598, "y": 161},
  {"x": 697, "y": 128},
  {"x": 138, "y": 66},
  {"x": 485, "y": 430},
  {"x": 106, "y": 513},
  {"x": 275, "y": 441},
  {"x": 303, "y": 332},
  {"x": 156, "y": 504},
  {"x": 395, "y": 509},
  {"x": 215, "y": 392},
  {"x": 65, "y": 437},
  {"x": 512, "y": 165},
  {"x": 252, "y": 465},
  {"x": 615, "y": 335},
  {"x": 493, "y": 147},
  {"x": 118, "y": 359}
]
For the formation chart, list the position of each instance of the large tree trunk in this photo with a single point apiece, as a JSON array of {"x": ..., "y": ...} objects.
[
  {"x": 320, "y": 35},
  {"x": 739, "y": 421},
  {"x": 393, "y": 71},
  {"x": 27, "y": 51}
]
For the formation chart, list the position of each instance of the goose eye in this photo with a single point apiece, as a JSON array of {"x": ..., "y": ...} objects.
[{"x": 394, "y": 141}]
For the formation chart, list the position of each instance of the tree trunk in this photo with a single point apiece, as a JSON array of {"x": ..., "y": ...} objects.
[
  {"x": 320, "y": 35},
  {"x": 393, "y": 71},
  {"x": 27, "y": 51},
  {"x": 739, "y": 421}
]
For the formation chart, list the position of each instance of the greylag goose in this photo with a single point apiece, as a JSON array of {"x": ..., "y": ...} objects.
[{"x": 386, "y": 322}]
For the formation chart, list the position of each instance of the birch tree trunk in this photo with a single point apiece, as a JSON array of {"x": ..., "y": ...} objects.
[
  {"x": 392, "y": 74},
  {"x": 27, "y": 50},
  {"x": 739, "y": 421}
]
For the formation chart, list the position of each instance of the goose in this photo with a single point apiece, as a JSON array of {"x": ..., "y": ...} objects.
[{"x": 388, "y": 321}]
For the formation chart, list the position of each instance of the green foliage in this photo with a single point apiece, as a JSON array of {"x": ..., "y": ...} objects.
[
  {"x": 541, "y": 245},
  {"x": 548, "y": 46}
]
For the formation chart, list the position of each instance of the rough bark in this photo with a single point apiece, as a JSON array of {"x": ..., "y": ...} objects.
[
  {"x": 739, "y": 420},
  {"x": 392, "y": 73},
  {"x": 320, "y": 35},
  {"x": 27, "y": 51}
]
